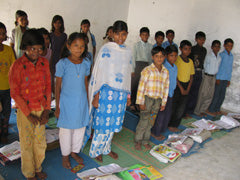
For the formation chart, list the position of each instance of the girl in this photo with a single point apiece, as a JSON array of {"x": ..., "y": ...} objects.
[
  {"x": 109, "y": 35},
  {"x": 71, "y": 97},
  {"x": 47, "y": 52},
  {"x": 17, "y": 33},
  {"x": 30, "y": 85},
  {"x": 85, "y": 28},
  {"x": 6, "y": 60},
  {"x": 108, "y": 91}
]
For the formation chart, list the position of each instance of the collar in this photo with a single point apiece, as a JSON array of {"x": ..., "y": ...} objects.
[
  {"x": 167, "y": 64},
  {"x": 225, "y": 51}
]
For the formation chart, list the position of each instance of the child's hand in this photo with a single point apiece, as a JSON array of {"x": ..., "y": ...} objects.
[
  {"x": 33, "y": 119},
  {"x": 228, "y": 84},
  {"x": 95, "y": 100},
  {"x": 184, "y": 92},
  {"x": 217, "y": 82},
  {"x": 142, "y": 107},
  {"x": 162, "y": 108},
  {"x": 57, "y": 112},
  {"x": 44, "y": 117},
  {"x": 133, "y": 74},
  {"x": 129, "y": 101}
]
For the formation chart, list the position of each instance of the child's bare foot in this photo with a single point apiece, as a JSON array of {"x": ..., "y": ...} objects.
[
  {"x": 66, "y": 163},
  {"x": 33, "y": 178},
  {"x": 203, "y": 115},
  {"x": 159, "y": 138},
  {"x": 41, "y": 175},
  {"x": 173, "y": 129},
  {"x": 77, "y": 158},
  {"x": 221, "y": 113},
  {"x": 113, "y": 155},
  {"x": 187, "y": 116},
  {"x": 99, "y": 158},
  {"x": 138, "y": 146},
  {"x": 147, "y": 146},
  {"x": 211, "y": 113}
]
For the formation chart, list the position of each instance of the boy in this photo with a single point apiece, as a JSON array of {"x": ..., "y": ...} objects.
[
  {"x": 198, "y": 54},
  {"x": 151, "y": 96},
  {"x": 141, "y": 59},
  {"x": 170, "y": 34},
  {"x": 159, "y": 38},
  {"x": 223, "y": 78},
  {"x": 30, "y": 85},
  {"x": 184, "y": 82},
  {"x": 163, "y": 117},
  {"x": 206, "y": 90}
]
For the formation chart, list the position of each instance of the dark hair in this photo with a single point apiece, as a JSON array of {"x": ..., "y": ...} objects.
[
  {"x": 120, "y": 26},
  {"x": 44, "y": 31},
  {"x": 55, "y": 19},
  {"x": 2, "y": 26},
  {"x": 108, "y": 29},
  {"x": 19, "y": 13},
  {"x": 170, "y": 31},
  {"x": 185, "y": 43},
  {"x": 228, "y": 40},
  {"x": 144, "y": 29},
  {"x": 216, "y": 42},
  {"x": 159, "y": 33},
  {"x": 31, "y": 37},
  {"x": 85, "y": 21},
  {"x": 72, "y": 37},
  {"x": 200, "y": 34},
  {"x": 170, "y": 49},
  {"x": 158, "y": 49}
]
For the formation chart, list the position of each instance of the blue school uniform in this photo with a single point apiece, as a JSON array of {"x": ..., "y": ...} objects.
[{"x": 166, "y": 44}]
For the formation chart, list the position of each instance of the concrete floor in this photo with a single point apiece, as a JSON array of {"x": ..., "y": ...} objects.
[{"x": 218, "y": 160}]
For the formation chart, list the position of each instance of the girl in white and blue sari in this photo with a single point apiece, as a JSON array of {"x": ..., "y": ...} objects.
[{"x": 109, "y": 92}]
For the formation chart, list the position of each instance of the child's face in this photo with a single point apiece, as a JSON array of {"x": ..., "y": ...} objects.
[
  {"x": 216, "y": 48},
  {"x": 172, "y": 57},
  {"x": 228, "y": 47},
  {"x": 186, "y": 50},
  {"x": 33, "y": 52},
  {"x": 170, "y": 37},
  {"x": 46, "y": 40},
  {"x": 22, "y": 21},
  {"x": 120, "y": 37},
  {"x": 85, "y": 28},
  {"x": 144, "y": 36},
  {"x": 159, "y": 39},
  {"x": 110, "y": 33},
  {"x": 200, "y": 41},
  {"x": 76, "y": 48},
  {"x": 158, "y": 58},
  {"x": 3, "y": 35},
  {"x": 57, "y": 25}
]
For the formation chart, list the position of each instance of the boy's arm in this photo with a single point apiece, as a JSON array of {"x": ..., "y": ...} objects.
[
  {"x": 86, "y": 85},
  {"x": 181, "y": 88},
  {"x": 189, "y": 85},
  {"x": 165, "y": 93},
  {"x": 141, "y": 88},
  {"x": 57, "y": 95},
  {"x": 134, "y": 57}
]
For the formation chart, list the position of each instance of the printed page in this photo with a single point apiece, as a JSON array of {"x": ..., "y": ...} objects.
[
  {"x": 11, "y": 151},
  {"x": 89, "y": 173},
  {"x": 52, "y": 135},
  {"x": 111, "y": 168}
]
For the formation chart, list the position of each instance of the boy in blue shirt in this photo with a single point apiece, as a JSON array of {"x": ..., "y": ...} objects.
[
  {"x": 159, "y": 38},
  {"x": 170, "y": 36},
  {"x": 223, "y": 78}
]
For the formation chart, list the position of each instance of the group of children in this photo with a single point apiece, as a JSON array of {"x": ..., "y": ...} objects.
[{"x": 154, "y": 79}]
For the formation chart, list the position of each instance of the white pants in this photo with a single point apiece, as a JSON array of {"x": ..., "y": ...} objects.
[{"x": 71, "y": 140}]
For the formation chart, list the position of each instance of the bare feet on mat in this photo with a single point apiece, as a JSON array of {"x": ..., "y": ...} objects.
[
  {"x": 99, "y": 158},
  {"x": 173, "y": 129},
  {"x": 66, "y": 163},
  {"x": 33, "y": 178},
  {"x": 77, "y": 158},
  {"x": 113, "y": 155},
  {"x": 138, "y": 146},
  {"x": 211, "y": 113},
  {"x": 222, "y": 113},
  {"x": 41, "y": 175},
  {"x": 203, "y": 115},
  {"x": 159, "y": 138},
  {"x": 147, "y": 146},
  {"x": 187, "y": 116}
]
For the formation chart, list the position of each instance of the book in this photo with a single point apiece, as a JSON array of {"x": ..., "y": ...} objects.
[
  {"x": 191, "y": 131},
  {"x": 234, "y": 115},
  {"x": 206, "y": 124},
  {"x": 227, "y": 122},
  {"x": 175, "y": 139},
  {"x": 185, "y": 146},
  {"x": 204, "y": 135},
  {"x": 10, "y": 152}
]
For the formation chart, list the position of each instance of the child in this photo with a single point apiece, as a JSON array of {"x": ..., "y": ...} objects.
[
  {"x": 170, "y": 36},
  {"x": 109, "y": 92},
  {"x": 159, "y": 38},
  {"x": 17, "y": 33},
  {"x": 47, "y": 52},
  {"x": 163, "y": 117},
  {"x": 223, "y": 78},
  {"x": 109, "y": 35},
  {"x": 141, "y": 59},
  {"x": 206, "y": 90},
  {"x": 198, "y": 54},
  {"x": 30, "y": 85},
  {"x": 71, "y": 97},
  {"x": 6, "y": 60},
  {"x": 151, "y": 96},
  {"x": 85, "y": 28},
  {"x": 184, "y": 82}
]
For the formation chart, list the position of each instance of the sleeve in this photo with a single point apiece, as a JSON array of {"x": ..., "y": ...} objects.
[
  {"x": 166, "y": 89},
  {"x": 141, "y": 87},
  {"x": 59, "y": 69},
  {"x": 192, "y": 70},
  {"x": 15, "y": 84},
  {"x": 134, "y": 57},
  {"x": 93, "y": 40},
  {"x": 48, "y": 86},
  {"x": 12, "y": 37},
  {"x": 206, "y": 63},
  {"x": 88, "y": 67},
  {"x": 12, "y": 57}
]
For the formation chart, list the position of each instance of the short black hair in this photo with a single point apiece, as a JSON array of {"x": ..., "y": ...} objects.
[
  {"x": 228, "y": 40},
  {"x": 170, "y": 49},
  {"x": 158, "y": 49},
  {"x": 185, "y": 43},
  {"x": 55, "y": 19},
  {"x": 144, "y": 29},
  {"x": 85, "y": 21},
  {"x": 119, "y": 26},
  {"x": 170, "y": 31},
  {"x": 200, "y": 34},
  {"x": 2, "y": 26},
  {"x": 159, "y": 33},
  {"x": 44, "y": 31},
  {"x": 216, "y": 42},
  {"x": 19, "y": 13},
  {"x": 31, "y": 37}
]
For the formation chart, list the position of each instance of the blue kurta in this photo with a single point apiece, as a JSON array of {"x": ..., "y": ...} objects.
[{"x": 74, "y": 112}]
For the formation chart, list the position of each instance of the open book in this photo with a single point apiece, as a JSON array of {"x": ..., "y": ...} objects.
[
  {"x": 227, "y": 122},
  {"x": 10, "y": 152}
]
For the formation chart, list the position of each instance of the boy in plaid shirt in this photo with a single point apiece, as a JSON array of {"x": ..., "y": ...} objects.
[{"x": 151, "y": 96}]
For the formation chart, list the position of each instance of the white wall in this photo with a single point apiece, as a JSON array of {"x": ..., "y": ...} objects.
[{"x": 217, "y": 18}]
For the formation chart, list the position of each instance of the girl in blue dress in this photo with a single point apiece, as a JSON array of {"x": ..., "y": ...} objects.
[
  {"x": 71, "y": 97},
  {"x": 109, "y": 90}
]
